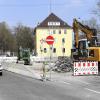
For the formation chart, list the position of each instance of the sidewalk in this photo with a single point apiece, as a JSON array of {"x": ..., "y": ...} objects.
[
  {"x": 21, "y": 69},
  {"x": 34, "y": 71}
]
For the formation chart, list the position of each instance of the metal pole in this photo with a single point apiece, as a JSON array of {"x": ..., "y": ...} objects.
[
  {"x": 50, "y": 59},
  {"x": 50, "y": 6},
  {"x": 43, "y": 64}
]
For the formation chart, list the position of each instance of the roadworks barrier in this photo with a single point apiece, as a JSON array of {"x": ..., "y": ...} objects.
[{"x": 86, "y": 68}]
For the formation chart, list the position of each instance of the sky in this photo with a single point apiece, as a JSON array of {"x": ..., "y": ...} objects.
[{"x": 31, "y": 12}]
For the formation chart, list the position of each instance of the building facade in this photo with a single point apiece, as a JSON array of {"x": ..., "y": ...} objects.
[{"x": 62, "y": 33}]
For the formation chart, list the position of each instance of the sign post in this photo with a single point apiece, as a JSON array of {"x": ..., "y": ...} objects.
[{"x": 50, "y": 41}]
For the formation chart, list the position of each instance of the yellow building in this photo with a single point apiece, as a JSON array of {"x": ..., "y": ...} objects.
[{"x": 62, "y": 34}]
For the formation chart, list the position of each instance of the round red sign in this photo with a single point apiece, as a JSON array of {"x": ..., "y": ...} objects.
[{"x": 50, "y": 40}]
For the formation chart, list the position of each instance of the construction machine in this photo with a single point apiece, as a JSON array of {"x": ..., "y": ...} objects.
[
  {"x": 85, "y": 49},
  {"x": 24, "y": 54}
]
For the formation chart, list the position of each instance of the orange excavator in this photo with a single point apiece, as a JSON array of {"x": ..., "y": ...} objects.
[{"x": 86, "y": 49}]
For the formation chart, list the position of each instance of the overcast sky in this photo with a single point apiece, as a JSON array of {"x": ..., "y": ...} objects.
[{"x": 30, "y": 12}]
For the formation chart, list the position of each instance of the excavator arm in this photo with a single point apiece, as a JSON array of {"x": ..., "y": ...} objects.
[{"x": 77, "y": 26}]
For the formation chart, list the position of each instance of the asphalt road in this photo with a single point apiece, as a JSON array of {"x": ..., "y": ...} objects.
[{"x": 17, "y": 87}]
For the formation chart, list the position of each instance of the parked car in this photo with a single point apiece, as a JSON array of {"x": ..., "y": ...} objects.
[{"x": 1, "y": 68}]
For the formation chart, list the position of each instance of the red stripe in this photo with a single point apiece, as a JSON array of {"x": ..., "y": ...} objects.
[
  {"x": 88, "y": 64},
  {"x": 84, "y": 73},
  {"x": 92, "y": 64},
  {"x": 79, "y": 64},
  {"x": 84, "y": 64},
  {"x": 79, "y": 73}
]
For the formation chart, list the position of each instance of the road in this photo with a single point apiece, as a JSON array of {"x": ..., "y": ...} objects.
[{"x": 18, "y": 87}]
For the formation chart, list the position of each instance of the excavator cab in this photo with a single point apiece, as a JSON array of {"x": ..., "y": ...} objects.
[{"x": 82, "y": 48}]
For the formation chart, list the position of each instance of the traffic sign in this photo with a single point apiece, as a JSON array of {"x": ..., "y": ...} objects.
[{"x": 50, "y": 40}]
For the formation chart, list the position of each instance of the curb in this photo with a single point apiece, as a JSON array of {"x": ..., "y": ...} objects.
[{"x": 21, "y": 72}]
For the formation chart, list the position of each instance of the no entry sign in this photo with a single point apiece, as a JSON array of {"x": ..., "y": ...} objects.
[{"x": 50, "y": 40}]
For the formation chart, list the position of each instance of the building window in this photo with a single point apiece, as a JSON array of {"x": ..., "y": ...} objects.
[
  {"x": 54, "y": 50},
  {"x": 63, "y": 40},
  {"x": 63, "y": 50},
  {"x": 45, "y": 50},
  {"x": 65, "y": 31},
  {"x": 54, "y": 31},
  {"x": 59, "y": 31},
  {"x": 50, "y": 32},
  {"x": 41, "y": 50},
  {"x": 50, "y": 48}
]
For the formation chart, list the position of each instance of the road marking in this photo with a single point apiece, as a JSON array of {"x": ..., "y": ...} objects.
[
  {"x": 83, "y": 82},
  {"x": 66, "y": 82},
  {"x": 62, "y": 82},
  {"x": 92, "y": 90}
]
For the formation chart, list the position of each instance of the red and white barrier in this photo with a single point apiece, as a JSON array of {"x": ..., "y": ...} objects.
[{"x": 85, "y": 68}]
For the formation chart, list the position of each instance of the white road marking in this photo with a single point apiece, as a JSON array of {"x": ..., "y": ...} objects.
[
  {"x": 62, "y": 82},
  {"x": 70, "y": 83},
  {"x": 66, "y": 82},
  {"x": 83, "y": 82},
  {"x": 98, "y": 92}
]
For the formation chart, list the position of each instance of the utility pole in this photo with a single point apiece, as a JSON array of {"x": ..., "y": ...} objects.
[{"x": 50, "y": 6}]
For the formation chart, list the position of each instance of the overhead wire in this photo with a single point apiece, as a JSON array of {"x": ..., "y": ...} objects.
[{"x": 30, "y": 5}]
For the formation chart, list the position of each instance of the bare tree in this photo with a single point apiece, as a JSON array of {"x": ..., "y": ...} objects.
[
  {"x": 24, "y": 37},
  {"x": 92, "y": 23},
  {"x": 7, "y": 41},
  {"x": 96, "y": 11}
]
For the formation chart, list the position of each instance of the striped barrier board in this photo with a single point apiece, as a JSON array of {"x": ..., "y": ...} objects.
[{"x": 85, "y": 68}]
